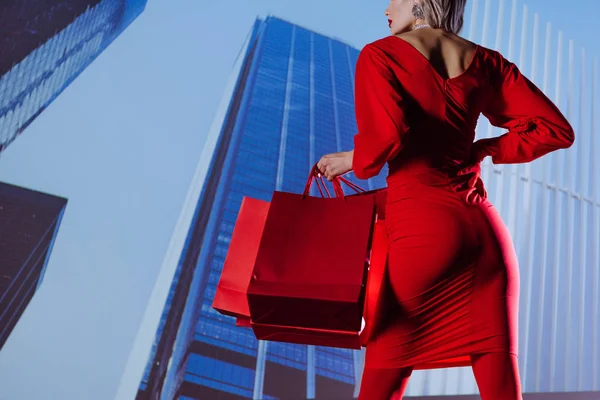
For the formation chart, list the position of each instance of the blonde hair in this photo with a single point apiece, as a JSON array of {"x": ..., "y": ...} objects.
[{"x": 445, "y": 14}]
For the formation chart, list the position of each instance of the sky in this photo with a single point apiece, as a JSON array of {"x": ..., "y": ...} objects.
[{"x": 122, "y": 144}]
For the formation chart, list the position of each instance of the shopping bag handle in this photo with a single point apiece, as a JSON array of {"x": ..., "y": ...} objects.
[{"x": 317, "y": 177}]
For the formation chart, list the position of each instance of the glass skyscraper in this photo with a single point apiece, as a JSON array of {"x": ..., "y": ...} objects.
[
  {"x": 45, "y": 45},
  {"x": 29, "y": 223},
  {"x": 293, "y": 102}
]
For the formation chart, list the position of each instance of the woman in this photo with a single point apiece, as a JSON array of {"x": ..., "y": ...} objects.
[{"x": 452, "y": 266}]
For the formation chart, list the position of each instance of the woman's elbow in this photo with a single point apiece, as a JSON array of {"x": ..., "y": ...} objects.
[
  {"x": 362, "y": 172},
  {"x": 360, "y": 165},
  {"x": 368, "y": 164},
  {"x": 365, "y": 170},
  {"x": 564, "y": 133},
  {"x": 568, "y": 136}
]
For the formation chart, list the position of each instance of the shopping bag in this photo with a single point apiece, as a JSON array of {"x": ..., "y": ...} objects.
[
  {"x": 231, "y": 294},
  {"x": 311, "y": 267},
  {"x": 231, "y": 298},
  {"x": 374, "y": 304}
]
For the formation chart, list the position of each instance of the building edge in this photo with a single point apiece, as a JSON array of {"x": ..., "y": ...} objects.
[{"x": 142, "y": 344}]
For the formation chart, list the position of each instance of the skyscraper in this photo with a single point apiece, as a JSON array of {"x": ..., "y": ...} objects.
[
  {"x": 45, "y": 45},
  {"x": 293, "y": 102},
  {"x": 29, "y": 223}
]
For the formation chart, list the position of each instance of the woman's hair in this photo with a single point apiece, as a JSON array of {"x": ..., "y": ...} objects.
[{"x": 445, "y": 14}]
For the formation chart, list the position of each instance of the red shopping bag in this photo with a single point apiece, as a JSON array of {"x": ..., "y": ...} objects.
[
  {"x": 231, "y": 294},
  {"x": 374, "y": 306},
  {"x": 311, "y": 266},
  {"x": 231, "y": 299}
]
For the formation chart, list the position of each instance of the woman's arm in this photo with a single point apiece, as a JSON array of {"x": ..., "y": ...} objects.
[
  {"x": 379, "y": 114},
  {"x": 535, "y": 125}
]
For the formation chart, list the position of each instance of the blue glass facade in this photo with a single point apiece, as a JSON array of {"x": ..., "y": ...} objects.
[
  {"x": 46, "y": 46},
  {"x": 29, "y": 223},
  {"x": 292, "y": 104}
]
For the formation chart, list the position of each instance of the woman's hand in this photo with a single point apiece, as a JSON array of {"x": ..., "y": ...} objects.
[
  {"x": 479, "y": 151},
  {"x": 335, "y": 164},
  {"x": 476, "y": 190}
]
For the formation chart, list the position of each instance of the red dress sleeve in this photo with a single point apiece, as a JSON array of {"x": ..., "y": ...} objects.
[
  {"x": 379, "y": 112},
  {"x": 535, "y": 125}
]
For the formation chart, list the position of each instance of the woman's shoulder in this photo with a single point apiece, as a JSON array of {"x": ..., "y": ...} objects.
[
  {"x": 382, "y": 45},
  {"x": 379, "y": 51},
  {"x": 386, "y": 49},
  {"x": 492, "y": 57}
]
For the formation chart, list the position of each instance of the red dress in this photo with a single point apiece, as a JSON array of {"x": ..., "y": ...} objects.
[{"x": 452, "y": 265}]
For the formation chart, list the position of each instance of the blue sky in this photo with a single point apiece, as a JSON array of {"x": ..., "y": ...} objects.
[{"x": 122, "y": 143}]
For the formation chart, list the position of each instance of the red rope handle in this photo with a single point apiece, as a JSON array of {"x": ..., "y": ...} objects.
[{"x": 317, "y": 177}]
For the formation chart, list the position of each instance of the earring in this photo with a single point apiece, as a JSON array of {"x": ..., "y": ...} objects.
[{"x": 418, "y": 12}]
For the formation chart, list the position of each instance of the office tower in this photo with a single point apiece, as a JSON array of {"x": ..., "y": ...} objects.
[
  {"x": 29, "y": 223},
  {"x": 292, "y": 103},
  {"x": 45, "y": 45}
]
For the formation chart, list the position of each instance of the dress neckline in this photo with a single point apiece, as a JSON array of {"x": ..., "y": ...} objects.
[{"x": 437, "y": 74}]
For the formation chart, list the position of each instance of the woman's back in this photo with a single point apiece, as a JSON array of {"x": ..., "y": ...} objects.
[
  {"x": 449, "y": 55},
  {"x": 421, "y": 94}
]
